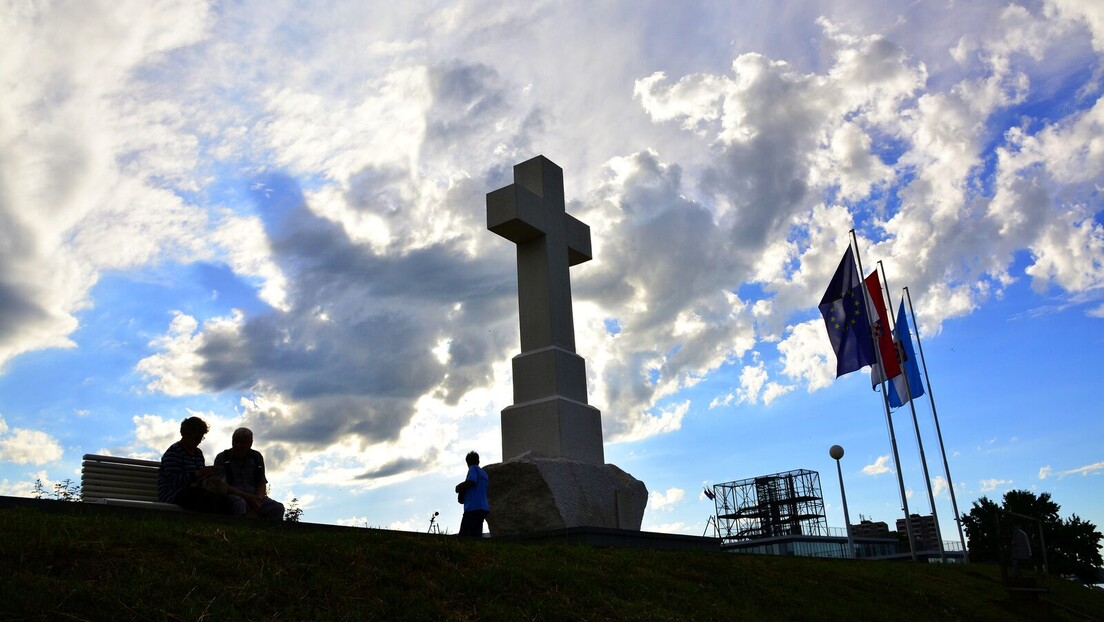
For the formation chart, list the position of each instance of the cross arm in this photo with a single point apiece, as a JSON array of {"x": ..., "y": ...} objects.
[
  {"x": 578, "y": 240},
  {"x": 517, "y": 215}
]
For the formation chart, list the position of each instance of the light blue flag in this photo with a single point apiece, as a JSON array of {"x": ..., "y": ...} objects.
[{"x": 898, "y": 390}]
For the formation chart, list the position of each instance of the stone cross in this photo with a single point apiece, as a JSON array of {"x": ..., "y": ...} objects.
[{"x": 550, "y": 416}]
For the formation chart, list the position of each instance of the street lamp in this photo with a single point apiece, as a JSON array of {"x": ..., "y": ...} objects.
[{"x": 836, "y": 452}]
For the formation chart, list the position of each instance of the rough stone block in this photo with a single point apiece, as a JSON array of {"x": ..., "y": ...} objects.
[{"x": 531, "y": 494}]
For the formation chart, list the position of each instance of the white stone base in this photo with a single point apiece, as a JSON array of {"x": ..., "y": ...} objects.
[
  {"x": 553, "y": 427},
  {"x": 530, "y": 494}
]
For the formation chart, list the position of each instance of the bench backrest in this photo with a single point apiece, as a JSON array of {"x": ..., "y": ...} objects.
[{"x": 112, "y": 477}]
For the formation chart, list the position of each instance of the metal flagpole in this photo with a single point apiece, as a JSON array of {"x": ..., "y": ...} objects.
[
  {"x": 916, "y": 424},
  {"x": 885, "y": 403},
  {"x": 938, "y": 433}
]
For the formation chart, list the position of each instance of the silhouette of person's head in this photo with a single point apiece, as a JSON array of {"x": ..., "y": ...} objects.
[
  {"x": 241, "y": 441},
  {"x": 192, "y": 431},
  {"x": 472, "y": 458}
]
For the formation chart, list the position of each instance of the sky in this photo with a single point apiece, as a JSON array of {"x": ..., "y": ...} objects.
[{"x": 273, "y": 214}]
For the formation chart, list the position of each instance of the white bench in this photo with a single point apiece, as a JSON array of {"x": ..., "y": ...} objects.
[{"x": 110, "y": 480}]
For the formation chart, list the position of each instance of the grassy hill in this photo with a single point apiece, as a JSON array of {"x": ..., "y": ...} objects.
[{"x": 89, "y": 565}]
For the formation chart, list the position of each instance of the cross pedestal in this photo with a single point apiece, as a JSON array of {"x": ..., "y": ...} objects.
[{"x": 553, "y": 474}]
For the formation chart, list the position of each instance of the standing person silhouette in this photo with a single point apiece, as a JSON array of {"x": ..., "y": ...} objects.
[{"x": 474, "y": 489}]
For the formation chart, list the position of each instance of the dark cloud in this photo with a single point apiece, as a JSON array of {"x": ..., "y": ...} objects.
[
  {"x": 662, "y": 258},
  {"x": 355, "y": 348},
  {"x": 19, "y": 310},
  {"x": 765, "y": 182},
  {"x": 480, "y": 121},
  {"x": 466, "y": 100},
  {"x": 376, "y": 189},
  {"x": 354, "y": 351},
  {"x": 397, "y": 467},
  {"x": 22, "y": 312},
  {"x": 665, "y": 246}
]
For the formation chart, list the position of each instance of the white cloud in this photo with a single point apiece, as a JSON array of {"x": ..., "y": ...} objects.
[
  {"x": 939, "y": 484},
  {"x": 673, "y": 527},
  {"x": 174, "y": 370},
  {"x": 88, "y": 174},
  {"x": 774, "y": 391},
  {"x": 989, "y": 485},
  {"x": 412, "y": 524},
  {"x": 755, "y": 386},
  {"x": 1090, "y": 13},
  {"x": 752, "y": 379},
  {"x": 667, "y": 420},
  {"x": 807, "y": 354},
  {"x": 249, "y": 253},
  {"x": 1089, "y": 469},
  {"x": 665, "y": 501},
  {"x": 1044, "y": 472},
  {"x": 23, "y": 446},
  {"x": 17, "y": 488},
  {"x": 722, "y": 400},
  {"x": 880, "y": 467}
]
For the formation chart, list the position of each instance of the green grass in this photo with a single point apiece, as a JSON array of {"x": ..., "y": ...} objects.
[{"x": 90, "y": 565}]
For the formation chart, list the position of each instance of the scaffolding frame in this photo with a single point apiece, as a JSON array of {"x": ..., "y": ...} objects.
[{"x": 781, "y": 504}]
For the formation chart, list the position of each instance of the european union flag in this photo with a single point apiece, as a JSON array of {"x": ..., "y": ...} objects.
[{"x": 844, "y": 309}]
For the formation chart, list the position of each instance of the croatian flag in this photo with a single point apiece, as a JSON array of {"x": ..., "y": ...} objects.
[{"x": 883, "y": 336}]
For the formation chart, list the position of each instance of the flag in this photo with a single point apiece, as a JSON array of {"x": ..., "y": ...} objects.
[
  {"x": 709, "y": 493},
  {"x": 845, "y": 318},
  {"x": 899, "y": 391},
  {"x": 882, "y": 333}
]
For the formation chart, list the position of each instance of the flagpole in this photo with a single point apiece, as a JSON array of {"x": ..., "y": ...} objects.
[
  {"x": 938, "y": 433},
  {"x": 885, "y": 403},
  {"x": 916, "y": 425}
]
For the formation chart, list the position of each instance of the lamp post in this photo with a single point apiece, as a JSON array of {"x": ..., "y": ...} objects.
[{"x": 836, "y": 452}]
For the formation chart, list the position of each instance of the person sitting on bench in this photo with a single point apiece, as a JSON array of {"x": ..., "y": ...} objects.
[
  {"x": 183, "y": 469},
  {"x": 245, "y": 475}
]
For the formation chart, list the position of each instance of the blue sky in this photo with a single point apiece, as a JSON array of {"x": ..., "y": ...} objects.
[{"x": 273, "y": 214}]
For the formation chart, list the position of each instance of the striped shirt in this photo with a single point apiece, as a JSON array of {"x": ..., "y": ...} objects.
[{"x": 177, "y": 471}]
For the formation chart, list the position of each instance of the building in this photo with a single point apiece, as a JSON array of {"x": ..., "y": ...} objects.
[
  {"x": 923, "y": 530},
  {"x": 869, "y": 529}
]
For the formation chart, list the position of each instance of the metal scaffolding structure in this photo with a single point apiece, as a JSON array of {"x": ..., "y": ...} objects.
[{"x": 781, "y": 504}]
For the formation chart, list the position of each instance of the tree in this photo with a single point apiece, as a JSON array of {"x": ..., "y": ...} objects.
[
  {"x": 1072, "y": 545},
  {"x": 1079, "y": 548}
]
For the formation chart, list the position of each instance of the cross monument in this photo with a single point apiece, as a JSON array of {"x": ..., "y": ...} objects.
[{"x": 550, "y": 417}]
